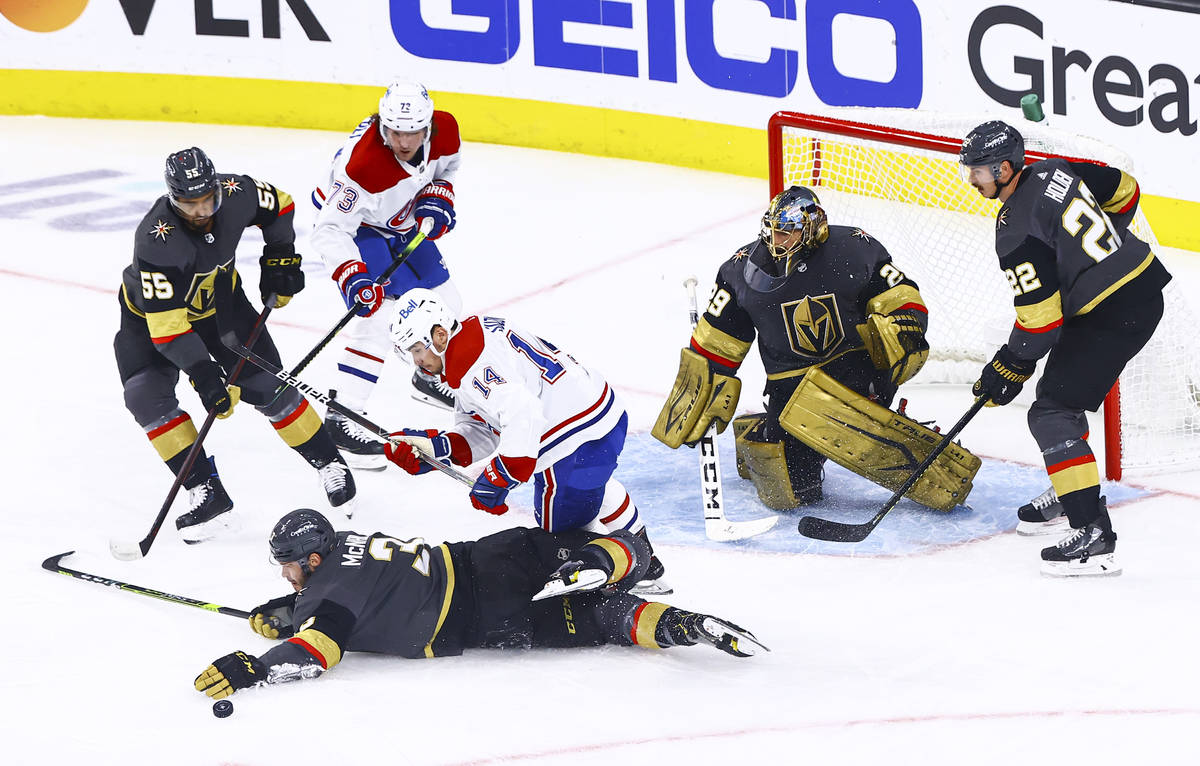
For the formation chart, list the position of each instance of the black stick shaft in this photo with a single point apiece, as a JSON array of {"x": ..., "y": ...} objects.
[
  {"x": 54, "y": 564},
  {"x": 350, "y": 313},
  {"x": 197, "y": 446}
]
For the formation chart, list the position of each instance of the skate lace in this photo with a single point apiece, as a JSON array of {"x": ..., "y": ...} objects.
[
  {"x": 1045, "y": 500},
  {"x": 1072, "y": 538},
  {"x": 197, "y": 495},
  {"x": 355, "y": 431},
  {"x": 333, "y": 477}
]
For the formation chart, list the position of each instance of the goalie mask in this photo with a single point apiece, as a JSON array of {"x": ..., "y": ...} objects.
[
  {"x": 984, "y": 150},
  {"x": 192, "y": 186},
  {"x": 793, "y": 227},
  {"x": 417, "y": 312}
]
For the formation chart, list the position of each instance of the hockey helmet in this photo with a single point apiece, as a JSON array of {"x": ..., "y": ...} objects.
[
  {"x": 989, "y": 145},
  {"x": 796, "y": 215},
  {"x": 417, "y": 312},
  {"x": 405, "y": 107},
  {"x": 190, "y": 176},
  {"x": 299, "y": 533}
]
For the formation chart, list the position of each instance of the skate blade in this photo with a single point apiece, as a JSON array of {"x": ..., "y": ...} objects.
[
  {"x": 731, "y": 640},
  {"x": 585, "y": 580},
  {"x": 218, "y": 526},
  {"x": 658, "y": 587},
  {"x": 347, "y": 507},
  {"x": 1096, "y": 566},
  {"x": 365, "y": 462},
  {"x": 1037, "y": 528},
  {"x": 432, "y": 402}
]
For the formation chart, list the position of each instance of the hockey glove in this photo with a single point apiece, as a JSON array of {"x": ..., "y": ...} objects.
[
  {"x": 216, "y": 396},
  {"x": 413, "y": 443},
  {"x": 279, "y": 274},
  {"x": 436, "y": 201},
  {"x": 492, "y": 488},
  {"x": 231, "y": 673},
  {"x": 896, "y": 343},
  {"x": 358, "y": 288},
  {"x": 1002, "y": 378},
  {"x": 273, "y": 619}
]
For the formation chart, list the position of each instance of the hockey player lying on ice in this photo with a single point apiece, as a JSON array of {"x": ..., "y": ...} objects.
[{"x": 378, "y": 593}]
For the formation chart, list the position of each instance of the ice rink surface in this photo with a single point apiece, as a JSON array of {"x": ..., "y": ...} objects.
[{"x": 935, "y": 641}]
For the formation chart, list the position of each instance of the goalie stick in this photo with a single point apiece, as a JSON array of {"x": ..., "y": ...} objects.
[
  {"x": 54, "y": 564},
  {"x": 837, "y": 532},
  {"x": 130, "y": 551},
  {"x": 381, "y": 281},
  {"x": 290, "y": 379},
  {"x": 716, "y": 526}
]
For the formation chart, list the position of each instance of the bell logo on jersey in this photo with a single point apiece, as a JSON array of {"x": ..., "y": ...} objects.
[{"x": 814, "y": 326}]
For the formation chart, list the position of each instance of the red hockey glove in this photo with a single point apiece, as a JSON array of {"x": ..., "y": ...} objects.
[{"x": 358, "y": 288}]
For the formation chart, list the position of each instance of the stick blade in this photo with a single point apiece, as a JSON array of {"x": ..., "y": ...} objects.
[
  {"x": 123, "y": 550},
  {"x": 833, "y": 531},
  {"x": 728, "y": 531},
  {"x": 51, "y": 564}
]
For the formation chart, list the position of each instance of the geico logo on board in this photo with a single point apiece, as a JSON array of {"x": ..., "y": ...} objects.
[{"x": 699, "y": 29}]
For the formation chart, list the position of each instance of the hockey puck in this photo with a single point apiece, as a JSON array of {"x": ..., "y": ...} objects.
[{"x": 222, "y": 708}]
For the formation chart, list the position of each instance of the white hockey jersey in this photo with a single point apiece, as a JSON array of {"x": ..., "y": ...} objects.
[
  {"x": 518, "y": 393},
  {"x": 368, "y": 186}
]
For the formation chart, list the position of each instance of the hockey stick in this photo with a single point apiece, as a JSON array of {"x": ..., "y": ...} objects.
[
  {"x": 716, "y": 526},
  {"x": 129, "y": 551},
  {"x": 290, "y": 379},
  {"x": 54, "y": 564},
  {"x": 836, "y": 531},
  {"x": 380, "y": 281}
]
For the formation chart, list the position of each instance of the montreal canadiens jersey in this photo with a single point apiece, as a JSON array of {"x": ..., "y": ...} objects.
[
  {"x": 368, "y": 186},
  {"x": 523, "y": 396}
]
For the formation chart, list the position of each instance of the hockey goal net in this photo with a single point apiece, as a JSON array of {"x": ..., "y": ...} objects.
[{"x": 894, "y": 172}]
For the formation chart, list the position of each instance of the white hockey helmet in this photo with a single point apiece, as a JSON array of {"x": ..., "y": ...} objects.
[
  {"x": 417, "y": 312},
  {"x": 405, "y": 107}
]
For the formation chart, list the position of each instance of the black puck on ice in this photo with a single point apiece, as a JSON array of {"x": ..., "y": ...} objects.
[{"x": 222, "y": 708}]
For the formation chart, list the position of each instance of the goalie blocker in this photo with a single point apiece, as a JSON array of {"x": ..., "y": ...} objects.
[
  {"x": 699, "y": 398},
  {"x": 875, "y": 442}
]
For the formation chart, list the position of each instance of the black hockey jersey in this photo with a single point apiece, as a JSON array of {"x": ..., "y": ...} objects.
[
  {"x": 1064, "y": 251},
  {"x": 179, "y": 275},
  {"x": 809, "y": 318}
]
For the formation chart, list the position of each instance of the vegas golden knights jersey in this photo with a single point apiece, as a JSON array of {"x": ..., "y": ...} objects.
[
  {"x": 1065, "y": 248},
  {"x": 809, "y": 318}
]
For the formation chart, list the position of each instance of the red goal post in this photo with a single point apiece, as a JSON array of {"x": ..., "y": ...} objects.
[{"x": 894, "y": 172}]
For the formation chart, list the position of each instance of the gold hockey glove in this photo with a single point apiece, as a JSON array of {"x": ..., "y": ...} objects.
[
  {"x": 698, "y": 399},
  {"x": 273, "y": 619},
  {"x": 896, "y": 343},
  {"x": 230, "y": 673}
]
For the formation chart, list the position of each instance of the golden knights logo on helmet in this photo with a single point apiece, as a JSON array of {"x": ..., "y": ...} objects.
[
  {"x": 814, "y": 326},
  {"x": 794, "y": 225}
]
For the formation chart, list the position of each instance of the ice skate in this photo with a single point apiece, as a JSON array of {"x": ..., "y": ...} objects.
[
  {"x": 729, "y": 638},
  {"x": 432, "y": 390},
  {"x": 1043, "y": 515},
  {"x": 572, "y": 577},
  {"x": 208, "y": 513},
  {"x": 359, "y": 447},
  {"x": 338, "y": 483},
  {"x": 652, "y": 584},
  {"x": 1085, "y": 552}
]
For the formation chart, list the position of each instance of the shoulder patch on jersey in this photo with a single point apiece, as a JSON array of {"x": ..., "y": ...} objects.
[
  {"x": 1002, "y": 218},
  {"x": 372, "y": 165},
  {"x": 231, "y": 185},
  {"x": 861, "y": 234},
  {"x": 463, "y": 351},
  {"x": 161, "y": 230},
  {"x": 445, "y": 136}
]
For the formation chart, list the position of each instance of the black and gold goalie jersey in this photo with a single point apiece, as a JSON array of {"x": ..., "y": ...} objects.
[
  {"x": 372, "y": 593},
  {"x": 808, "y": 318},
  {"x": 1063, "y": 243},
  {"x": 180, "y": 276}
]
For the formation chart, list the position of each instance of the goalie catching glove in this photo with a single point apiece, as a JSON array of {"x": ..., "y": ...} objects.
[
  {"x": 699, "y": 398},
  {"x": 896, "y": 343}
]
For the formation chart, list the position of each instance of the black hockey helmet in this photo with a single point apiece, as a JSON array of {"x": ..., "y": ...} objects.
[
  {"x": 795, "y": 209},
  {"x": 990, "y": 144},
  {"x": 299, "y": 533},
  {"x": 190, "y": 175}
]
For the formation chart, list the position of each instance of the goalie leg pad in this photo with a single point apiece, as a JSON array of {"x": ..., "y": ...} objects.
[
  {"x": 767, "y": 467},
  {"x": 876, "y": 443},
  {"x": 740, "y": 427},
  {"x": 697, "y": 399}
]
